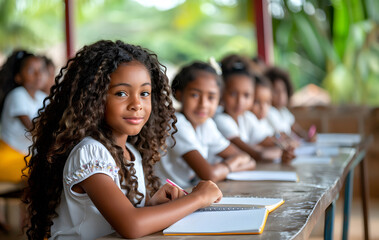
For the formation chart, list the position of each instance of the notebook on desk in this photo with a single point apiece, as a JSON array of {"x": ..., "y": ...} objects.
[
  {"x": 244, "y": 203},
  {"x": 338, "y": 139},
  {"x": 251, "y": 221},
  {"x": 263, "y": 176}
]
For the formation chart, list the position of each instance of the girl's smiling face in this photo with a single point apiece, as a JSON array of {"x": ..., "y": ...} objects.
[
  {"x": 238, "y": 95},
  {"x": 200, "y": 98},
  {"x": 128, "y": 104}
]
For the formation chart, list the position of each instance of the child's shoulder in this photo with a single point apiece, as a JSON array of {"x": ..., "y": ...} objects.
[{"x": 89, "y": 147}]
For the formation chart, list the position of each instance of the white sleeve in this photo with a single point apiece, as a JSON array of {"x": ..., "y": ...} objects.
[
  {"x": 226, "y": 125},
  {"x": 185, "y": 137},
  {"x": 17, "y": 104},
  {"x": 88, "y": 160},
  {"x": 290, "y": 117},
  {"x": 217, "y": 142}
]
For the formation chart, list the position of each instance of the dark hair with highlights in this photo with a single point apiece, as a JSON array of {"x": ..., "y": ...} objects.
[{"x": 74, "y": 110}]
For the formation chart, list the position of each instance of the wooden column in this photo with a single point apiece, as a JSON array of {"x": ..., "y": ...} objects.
[
  {"x": 264, "y": 31},
  {"x": 69, "y": 27}
]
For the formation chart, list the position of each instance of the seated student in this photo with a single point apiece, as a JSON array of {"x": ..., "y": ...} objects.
[
  {"x": 94, "y": 147},
  {"x": 197, "y": 87},
  {"x": 236, "y": 122},
  {"x": 49, "y": 74},
  {"x": 279, "y": 116},
  {"x": 21, "y": 79}
]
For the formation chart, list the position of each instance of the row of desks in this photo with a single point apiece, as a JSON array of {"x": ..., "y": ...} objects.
[{"x": 305, "y": 201}]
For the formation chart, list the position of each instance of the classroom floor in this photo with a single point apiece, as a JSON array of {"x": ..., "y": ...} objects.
[{"x": 355, "y": 230}]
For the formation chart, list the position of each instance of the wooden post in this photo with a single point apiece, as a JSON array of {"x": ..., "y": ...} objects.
[
  {"x": 69, "y": 27},
  {"x": 264, "y": 31}
]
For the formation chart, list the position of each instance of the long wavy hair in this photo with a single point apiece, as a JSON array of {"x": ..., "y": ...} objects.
[{"x": 75, "y": 109}]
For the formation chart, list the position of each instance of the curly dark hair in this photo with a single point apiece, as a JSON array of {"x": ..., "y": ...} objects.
[
  {"x": 75, "y": 109},
  {"x": 190, "y": 72},
  {"x": 9, "y": 70},
  {"x": 278, "y": 74}
]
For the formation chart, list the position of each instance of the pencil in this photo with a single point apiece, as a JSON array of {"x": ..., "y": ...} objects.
[{"x": 176, "y": 185}]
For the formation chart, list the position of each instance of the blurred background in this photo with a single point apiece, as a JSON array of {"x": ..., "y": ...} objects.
[
  {"x": 330, "y": 48},
  {"x": 332, "y": 44}
]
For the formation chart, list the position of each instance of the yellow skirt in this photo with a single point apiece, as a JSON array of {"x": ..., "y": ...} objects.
[{"x": 11, "y": 163}]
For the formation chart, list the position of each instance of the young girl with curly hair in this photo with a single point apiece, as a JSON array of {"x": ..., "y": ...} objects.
[
  {"x": 21, "y": 78},
  {"x": 94, "y": 147}
]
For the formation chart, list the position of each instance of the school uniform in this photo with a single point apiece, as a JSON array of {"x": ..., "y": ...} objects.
[
  {"x": 281, "y": 119},
  {"x": 15, "y": 139},
  {"x": 204, "y": 139},
  {"x": 249, "y": 128},
  {"x": 78, "y": 218}
]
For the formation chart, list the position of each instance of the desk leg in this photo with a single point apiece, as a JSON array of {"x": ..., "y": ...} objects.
[
  {"x": 347, "y": 203},
  {"x": 329, "y": 219},
  {"x": 365, "y": 196}
]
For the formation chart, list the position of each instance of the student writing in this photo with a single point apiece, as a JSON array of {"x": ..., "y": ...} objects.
[
  {"x": 197, "y": 87},
  {"x": 95, "y": 145}
]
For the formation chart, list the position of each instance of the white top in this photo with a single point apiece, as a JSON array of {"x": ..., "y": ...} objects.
[
  {"x": 281, "y": 120},
  {"x": 249, "y": 129},
  {"x": 17, "y": 103},
  {"x": 263, "y": 130},
  {"x": 206, "y": 138},
  {"x": 78, "y": 217},
  {"x": 245, "y": 129}
]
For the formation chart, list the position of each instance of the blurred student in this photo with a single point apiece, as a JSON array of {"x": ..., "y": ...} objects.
[
  {"x": 21, "y": 79},
  {"x": 50, "y": 75},
  {"x": 197, "y": 86},
  {"x": 235, "y": 121},
  {"x": 281, "y": 119}
]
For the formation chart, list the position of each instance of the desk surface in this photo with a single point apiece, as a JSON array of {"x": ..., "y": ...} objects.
[{"x": 305, "y": 201}]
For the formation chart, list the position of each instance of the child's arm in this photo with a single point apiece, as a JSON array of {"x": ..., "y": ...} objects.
[
  {"x": 25, "y": 120},
  {"x": 131, "y": 222},
  {"x": 237, "y": 160},
  {"x": 203, "y": 169},
  {"x": 253, "y": 152}
]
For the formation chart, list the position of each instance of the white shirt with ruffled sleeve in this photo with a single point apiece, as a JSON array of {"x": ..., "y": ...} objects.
[{"x": 78, "y": 217}]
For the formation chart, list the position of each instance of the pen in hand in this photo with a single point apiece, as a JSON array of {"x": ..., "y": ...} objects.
[{"x": 176, "y": 185}]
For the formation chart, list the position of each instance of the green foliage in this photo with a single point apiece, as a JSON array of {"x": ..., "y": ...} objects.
[{"x": 335, "y": 46}]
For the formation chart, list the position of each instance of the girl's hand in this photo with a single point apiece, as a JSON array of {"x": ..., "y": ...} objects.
[
  {"x": 288, "y": 154},
  {"x": 165, "y": 194},
  {"x": 208, "y": 191}
]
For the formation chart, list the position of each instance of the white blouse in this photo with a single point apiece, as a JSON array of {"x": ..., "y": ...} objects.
[
  {"x": 281, "y": 120},
  {"x": 78, "y": 217},
  {"x": 206, "y": 139}
]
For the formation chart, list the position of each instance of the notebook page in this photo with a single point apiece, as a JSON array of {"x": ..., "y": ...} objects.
[
  {"x": 311, "y": 160},
  {"x": 257, "y": 202},
  {"x": 263, "y": 176},
  {"x": 230, "y": 222}
]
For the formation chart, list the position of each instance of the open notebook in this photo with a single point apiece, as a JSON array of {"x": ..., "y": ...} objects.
[
  {"x": 251, "y": 221},
  {"x": 244, "y": 203},
  {"x": 263, "y": 176}
]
